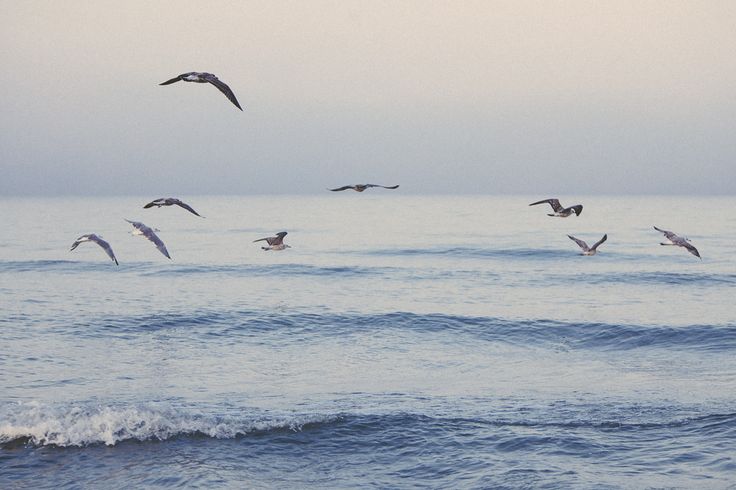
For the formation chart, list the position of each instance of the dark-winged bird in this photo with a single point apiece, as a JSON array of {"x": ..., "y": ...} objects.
[
  {"x": 584, "y": 246},
  {"x": 559, "y": 211},
  {"x": 679, "y": 241},
  {"x": 202, "y": 77},
  {"x": 274, "y": 242},
  {"x": 91, "y": 237},
  {"x": 362, "y": 187},
  {"x": 170, "y": 201},
  {"x": 143, "y": 230}
]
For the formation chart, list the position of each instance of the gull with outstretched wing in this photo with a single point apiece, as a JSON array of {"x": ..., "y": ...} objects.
[
  {"x": 147, "y": 232},
  {"x": 274, "y": 242},
  {"x": 202, "y": 77},
  {"x": 584, "y": 246},
  {"x": 170, "y": 201},
  {"x": 679, "y": 241},
  {"x": 559, "y": 211},
  {"x": 91, "y": 237},
  {"x": 362, "y": 187}
]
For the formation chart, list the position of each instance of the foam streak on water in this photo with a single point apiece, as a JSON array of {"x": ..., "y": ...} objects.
[{"x": 451, "y": 345}]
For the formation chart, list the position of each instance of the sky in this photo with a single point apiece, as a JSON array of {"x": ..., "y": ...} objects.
[{"x": 548, "y": 98}]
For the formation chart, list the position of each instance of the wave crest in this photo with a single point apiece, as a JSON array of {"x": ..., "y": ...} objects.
[{"x": 77, "y": 425}]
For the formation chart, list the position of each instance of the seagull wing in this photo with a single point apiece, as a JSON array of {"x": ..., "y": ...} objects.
[
  {"x": 278, "y": 239},
  {"x": 83, "y": 238},
  {"x": 149, "y": 233},
  {"x": 136, "y": 224},
  {"x": 155, "y": 202},
  {"x": 577, "y": 209},
  {"x": 384, "y": 186},
  {"x": 691, "y": 249},
  {"x": 187, "y": 207},
  {"x": 552, "y": 202},
  {"x": 595, "y": 246},
  {"x": 173, "y": 80},
  {"x": 105, "y": 246},
  {"x": 671, "y": 236},
  {"x": 222, "y": 87},
  {"x": 343, "y": 188},
  {"x": 273, "y": 240},
  {"x": 580, "y": 243}
]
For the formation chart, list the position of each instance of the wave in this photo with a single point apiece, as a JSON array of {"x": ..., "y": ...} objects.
[
  {"x": 652, "y": 277},
  {"x": 79, "y": 425},
  {"x": 269, "y": 270},
  {"x": 37, "y": 424},
  {"x": 169, "y": 269},
  {"x": 46, "y": 265},
  {"x": 284, "y": 327},
  {"x": 460, "y": 272},
  {"x": 472, "y": 252}
]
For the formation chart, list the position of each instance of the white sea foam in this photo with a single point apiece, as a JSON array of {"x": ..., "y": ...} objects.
[{"x": 80, "y": 425}]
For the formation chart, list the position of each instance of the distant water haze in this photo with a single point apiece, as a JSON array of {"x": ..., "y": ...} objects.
[{"x": 441, "y": 97}]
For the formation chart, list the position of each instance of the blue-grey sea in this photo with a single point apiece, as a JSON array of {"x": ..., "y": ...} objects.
[{"x": 403, "y": 341}]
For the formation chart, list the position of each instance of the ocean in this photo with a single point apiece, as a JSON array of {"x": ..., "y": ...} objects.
[{"x": 402, "y": 342}]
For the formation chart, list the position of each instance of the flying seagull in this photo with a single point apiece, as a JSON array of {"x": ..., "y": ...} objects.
[
  {"x": 679, "y": 241},
  {"x": 141, "y": 229},
  {"x": 586, "y": 249},
  {"x": 362, "y": 187},
  {"x": 197, "y": 77},
  {"x": 99, "y": 241},
  {"x": 559, "y": 211},
  {"x": 170, "y": 201},
  {"x": 274, "y": 242}
]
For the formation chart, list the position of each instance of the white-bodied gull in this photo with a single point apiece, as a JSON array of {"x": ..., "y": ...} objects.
[
  {"x": 679, "y": 242},
  {"x": 143, "y": 230},
  {"x": 584, "y": 246},
  {"x": 170, "y": 201},
  {"x": 559, "y": 211},
  {"x": 201, "y": 77},
  {"x": 274, "y": 242},
  {"x": 91, "y": 237}
]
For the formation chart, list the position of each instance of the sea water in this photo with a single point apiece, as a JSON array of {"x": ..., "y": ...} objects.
[{"x": 403, "y": 341}]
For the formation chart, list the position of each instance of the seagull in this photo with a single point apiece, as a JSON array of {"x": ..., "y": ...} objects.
[
  {"x": 170, "y": 201},
  {"x": 362, "y": 187},
  {"x": 91, "y": 237},
  {"x": 274, "y": 242},
  {"x": 588, "y": 250},
  {"x": 679, "y": 241},
  {"x": 198, "y": 77},
  {"x": 559, "y": 211},
  {"x": 141, "y": 229}
]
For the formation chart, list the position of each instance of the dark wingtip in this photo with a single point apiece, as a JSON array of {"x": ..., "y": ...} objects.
[{"x": 168, "y": 82}]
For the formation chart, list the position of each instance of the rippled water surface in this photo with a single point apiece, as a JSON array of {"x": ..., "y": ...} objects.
[{"x": 402, "y": 341}]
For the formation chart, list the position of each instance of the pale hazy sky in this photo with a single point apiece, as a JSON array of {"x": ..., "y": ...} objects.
[{"x": 548, "y": 98}]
